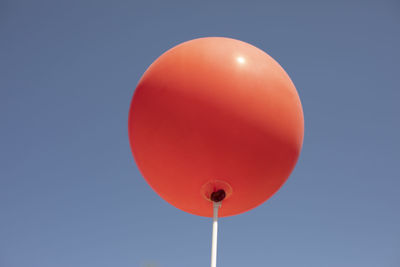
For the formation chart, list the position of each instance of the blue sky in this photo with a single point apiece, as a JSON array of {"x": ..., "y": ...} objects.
[{"x": 71, "y": 194}]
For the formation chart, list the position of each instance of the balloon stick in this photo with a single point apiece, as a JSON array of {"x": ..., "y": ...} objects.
[{"x": 216, "y": 206}]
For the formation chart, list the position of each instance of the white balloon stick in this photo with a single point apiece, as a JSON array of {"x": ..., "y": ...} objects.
[{"x": 216, "y": 206}]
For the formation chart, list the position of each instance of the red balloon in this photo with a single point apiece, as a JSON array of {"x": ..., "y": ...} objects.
[{"x": 215, "y": 113}]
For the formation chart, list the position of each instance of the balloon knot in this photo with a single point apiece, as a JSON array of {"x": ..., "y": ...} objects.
[{"x": 218, "y": 196}]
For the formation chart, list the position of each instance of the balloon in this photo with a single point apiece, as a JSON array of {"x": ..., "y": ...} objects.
[{"x": 215, "y": 115}]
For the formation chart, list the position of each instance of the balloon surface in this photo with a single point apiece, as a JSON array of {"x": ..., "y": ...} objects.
[{"x": 215, "y": 113}]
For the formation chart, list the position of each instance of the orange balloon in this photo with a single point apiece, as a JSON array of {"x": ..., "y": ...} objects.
[{"x": 215, "y": 114}]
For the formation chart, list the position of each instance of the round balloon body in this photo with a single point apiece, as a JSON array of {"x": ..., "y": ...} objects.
[{"x": 215, "y": 114}]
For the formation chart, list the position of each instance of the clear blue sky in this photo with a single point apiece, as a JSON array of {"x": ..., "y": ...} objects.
[{"x": 71, "y": 194}]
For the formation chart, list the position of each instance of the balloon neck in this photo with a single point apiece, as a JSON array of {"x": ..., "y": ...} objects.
[
  {"x": 218, "y": 196},
  {"x": 216, "y": 190}
]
